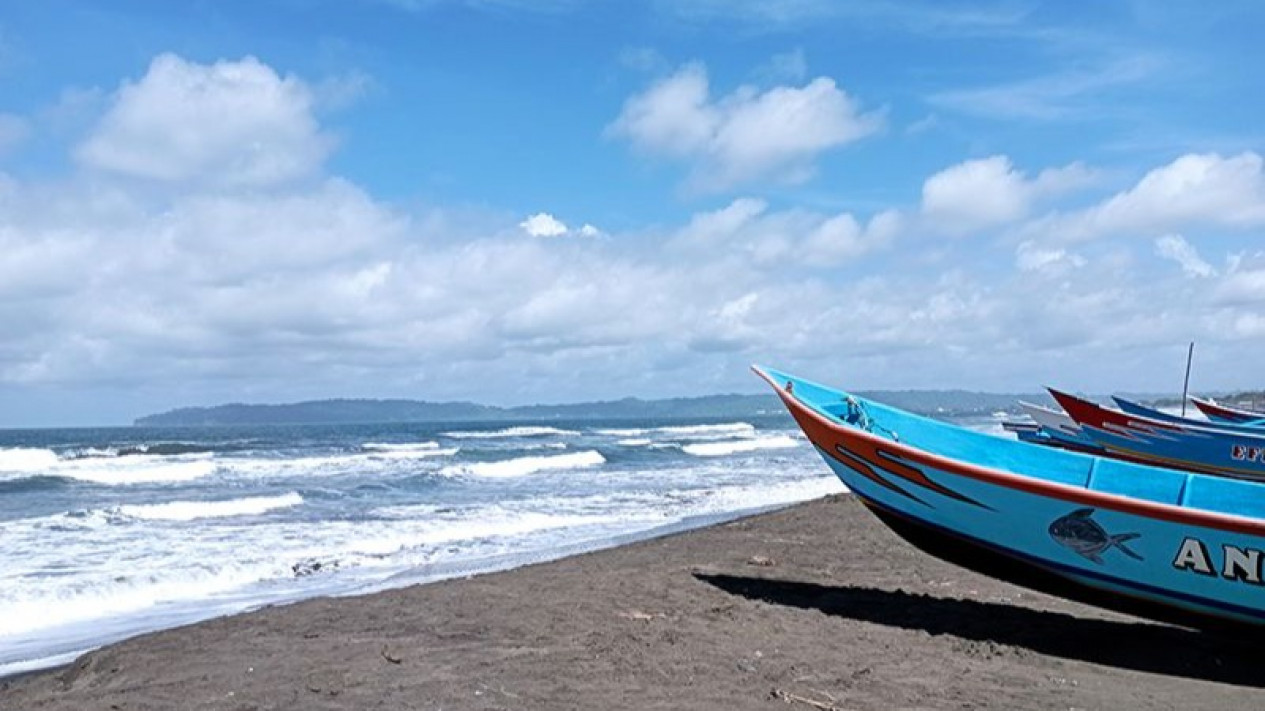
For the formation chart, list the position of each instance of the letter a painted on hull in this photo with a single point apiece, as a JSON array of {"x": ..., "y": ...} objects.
[{"x": 1192, "y": 555}]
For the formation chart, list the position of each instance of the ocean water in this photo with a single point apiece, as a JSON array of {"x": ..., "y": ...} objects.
[{"x": 107, "y": 533}]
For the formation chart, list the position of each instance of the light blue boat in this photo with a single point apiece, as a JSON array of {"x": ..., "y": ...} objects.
[{"x": 1171, "y": 545}]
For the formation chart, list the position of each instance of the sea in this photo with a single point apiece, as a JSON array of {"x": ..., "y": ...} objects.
[{"x": 108, "y": 533}]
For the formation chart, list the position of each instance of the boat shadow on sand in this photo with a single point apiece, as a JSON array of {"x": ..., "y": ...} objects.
[{"x": 1135, "y": 645}]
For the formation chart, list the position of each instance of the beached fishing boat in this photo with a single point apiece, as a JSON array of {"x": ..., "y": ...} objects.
[
  {"x": 1152, "y": 541},
  {"x": 1133, "y": 408},
  {"x": 1225, "y": 413},
  {"x": 1213, "y": 449},
  {"x": 1059, "y": 429}
]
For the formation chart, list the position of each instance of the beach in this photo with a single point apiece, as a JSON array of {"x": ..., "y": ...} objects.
[{"x": 816, "y": 606}]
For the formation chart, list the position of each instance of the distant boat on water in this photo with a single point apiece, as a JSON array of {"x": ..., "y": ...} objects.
[{"x": 1153, "y": 541}]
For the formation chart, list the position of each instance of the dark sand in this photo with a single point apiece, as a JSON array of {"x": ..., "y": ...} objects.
[{"x": 816, "y": 606}]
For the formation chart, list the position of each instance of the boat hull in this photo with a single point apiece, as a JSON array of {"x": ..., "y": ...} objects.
[{"x": 1139, "y": 556}]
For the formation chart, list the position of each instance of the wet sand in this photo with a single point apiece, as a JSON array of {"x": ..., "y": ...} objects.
[{"x": 813, "y": 607}]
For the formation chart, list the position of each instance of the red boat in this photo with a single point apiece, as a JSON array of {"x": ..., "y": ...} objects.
[{"x": 1225, "y": 413}]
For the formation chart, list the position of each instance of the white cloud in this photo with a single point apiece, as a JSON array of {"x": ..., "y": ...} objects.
[
  {"x": 1176, "y": 248},
  {"x": 542, "y": 224},
  {"x": 1066, "y": 95},
  {"x": 1244, "y": 282},
  {"x": 313, "y": 288},
  {"x": 987, "y": 192},
  {"x": 841, "y": 238},
  {"x": 743, "y": 137},
  {"x": 746, "y": 227},
  {"x": 229, "y": 124},
  {"x": 1031, "y": 257},
  {"x": 1194, "y": 190}
]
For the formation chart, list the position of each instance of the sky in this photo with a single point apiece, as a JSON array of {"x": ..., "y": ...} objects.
[{"x": 512, "y": 202}]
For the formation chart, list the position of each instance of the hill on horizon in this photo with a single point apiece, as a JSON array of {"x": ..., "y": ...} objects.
[{"x": 353, "y": 411}]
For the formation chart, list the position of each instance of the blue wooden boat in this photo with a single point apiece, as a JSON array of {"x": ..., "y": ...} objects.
[
  {"x": 1212, "y": 449},
  {"x": 1162, "y": 543}
]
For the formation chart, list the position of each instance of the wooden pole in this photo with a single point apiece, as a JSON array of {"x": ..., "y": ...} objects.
[{"x": 1190, "y": 353}]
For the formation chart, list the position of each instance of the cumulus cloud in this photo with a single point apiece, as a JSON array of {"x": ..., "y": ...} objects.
[
  {"x": 313, "y": 288},
  {"x": 771, "y": 238},
  {"x": 745, "y": 136},
  {"x": 987, "y": 192},
  {"x": 1176, "y": 248},
  {"x": 1196, "y": 189},
  {"x": 231, "y": 123},
  {"x": 542, "y": 224}
]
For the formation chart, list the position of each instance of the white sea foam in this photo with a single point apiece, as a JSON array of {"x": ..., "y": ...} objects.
[
  {"x": 720, "y": 449},
  {"x": 368, "y": 462},
  {"x": 190, "y": 510},
  {"x": 411, "y": 453},
  {"x": 27, "y": 460},
  {"x": 134, "y": 470},
  {"x": 400, "y": 447},
  {"x": 530, "y": 431},
  {"x": 522, "y": 466},
  {"x": 635, "y": 442},
  {"x": 93, "y": 597},
  {"x": 542, "y": 445},
  {"x": 130, "y": 561},
  {"x": 128, "y": 569},
  {"x": 683, "y": 433},
  {"x": 729, "y": 429}
]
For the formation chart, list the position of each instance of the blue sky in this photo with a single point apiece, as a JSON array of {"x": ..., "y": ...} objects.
[{"x": 511, "y": 201}]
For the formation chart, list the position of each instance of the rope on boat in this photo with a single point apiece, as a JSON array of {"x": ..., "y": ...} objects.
[{"x": 859, "y": 417}]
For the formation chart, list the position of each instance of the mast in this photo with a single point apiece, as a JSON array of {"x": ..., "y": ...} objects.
[{"x": 1190, "y": 353}]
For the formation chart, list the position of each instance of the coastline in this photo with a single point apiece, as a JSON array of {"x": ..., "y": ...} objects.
[{"x": 815, "y": 605}]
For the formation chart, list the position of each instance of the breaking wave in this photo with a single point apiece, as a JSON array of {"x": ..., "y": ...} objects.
[
  {"x": 512, "y": 432},
  {"x": 522, "y": 466},
  {"x": 721, "y": 449},
  {"x": 191, "y": 510}
]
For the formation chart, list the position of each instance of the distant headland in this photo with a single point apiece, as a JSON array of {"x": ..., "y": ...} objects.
[{"x": 352, "y": 411}]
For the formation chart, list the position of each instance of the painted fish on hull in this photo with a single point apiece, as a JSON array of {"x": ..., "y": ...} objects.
[{"x": 1081, "y": 534}]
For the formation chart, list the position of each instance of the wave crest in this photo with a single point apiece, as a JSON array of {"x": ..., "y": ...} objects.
[{"x": 522, "y": 466}]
